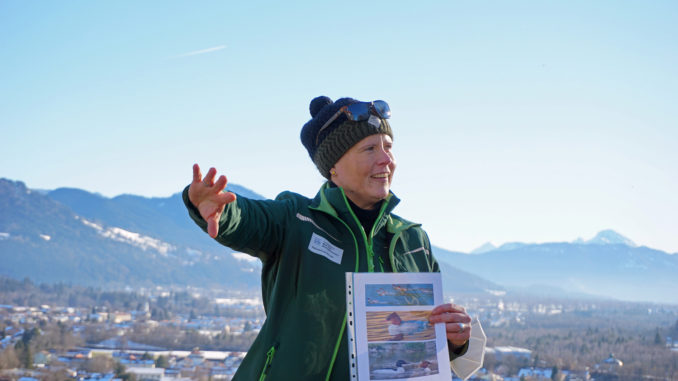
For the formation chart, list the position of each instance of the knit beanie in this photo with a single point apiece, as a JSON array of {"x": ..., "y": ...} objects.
[{"x": 326, "y": 147}]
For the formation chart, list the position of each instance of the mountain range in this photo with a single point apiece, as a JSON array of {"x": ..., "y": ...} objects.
[
  {"x": 609, "y": 270},
  {"x": 74, "y": 236}
]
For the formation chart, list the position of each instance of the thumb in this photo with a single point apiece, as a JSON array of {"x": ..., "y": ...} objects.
[{"x": 213, "y": 225}]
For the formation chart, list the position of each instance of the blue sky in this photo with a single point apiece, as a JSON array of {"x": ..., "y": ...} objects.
[{"x": 514, "y": 121}]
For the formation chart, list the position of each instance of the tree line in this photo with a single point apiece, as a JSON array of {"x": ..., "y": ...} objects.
[
  {"x": 164, "y": 307},
  {"x": 579, "y": 340}
]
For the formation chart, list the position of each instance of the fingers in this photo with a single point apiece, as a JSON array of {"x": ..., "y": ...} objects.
[
  {"x": 457, "y": 327},
  {"x": 450, "y": 318},
  {"x": 449, "y": 307},
  {"x": 201, "y": 188},
  {"x": 449, "y": 313},
  {"x": 209, "y": 177},
  {"x": 208, "y": 180},
  {"x": 218, "y": 204},
  {"x": 457, "y": 322},
  {"x": 221, "y": 183},
  {"x": 227, "y": 197},
  {"x": 208, "y": 196},
  {"x": 197, "y": 175},
  {"x": 219, "y": 187},
  {"x": 457, "y": 333}
]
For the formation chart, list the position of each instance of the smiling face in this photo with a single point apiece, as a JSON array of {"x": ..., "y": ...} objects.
[{"x": 366, "y": 170}]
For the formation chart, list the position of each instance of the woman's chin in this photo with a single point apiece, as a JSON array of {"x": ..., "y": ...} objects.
[{"x": 381, "y": 194}]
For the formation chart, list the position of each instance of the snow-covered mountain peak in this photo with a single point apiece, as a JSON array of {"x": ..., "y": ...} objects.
[{"x": 610, "y": 237}]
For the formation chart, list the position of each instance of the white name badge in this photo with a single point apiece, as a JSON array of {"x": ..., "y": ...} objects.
[{"x": 322, "y": 246}]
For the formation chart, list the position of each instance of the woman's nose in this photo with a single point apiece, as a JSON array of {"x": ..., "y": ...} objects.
[{"x": 385, "y": 157}]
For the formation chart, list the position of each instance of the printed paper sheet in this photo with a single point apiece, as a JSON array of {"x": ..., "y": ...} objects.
[{"x": 390, "y": 337}]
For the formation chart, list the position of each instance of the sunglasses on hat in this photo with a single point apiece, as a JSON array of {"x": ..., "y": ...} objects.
[{"x": 357, "y": 112}]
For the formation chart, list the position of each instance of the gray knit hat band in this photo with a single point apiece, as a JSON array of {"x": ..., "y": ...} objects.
[{"x": 341, "y": 139}]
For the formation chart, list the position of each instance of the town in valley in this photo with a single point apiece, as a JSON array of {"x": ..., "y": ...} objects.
[{"x": 64, "y": 332}]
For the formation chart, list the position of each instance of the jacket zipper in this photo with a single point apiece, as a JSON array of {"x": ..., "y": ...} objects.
[
  {"x": 269, "y": 359},
  {"x": 369, "y": 244},
  {"x": 371, "y": 241}
]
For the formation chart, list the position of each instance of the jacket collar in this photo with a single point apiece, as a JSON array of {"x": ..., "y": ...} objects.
[{"x": 331, "y": 200}]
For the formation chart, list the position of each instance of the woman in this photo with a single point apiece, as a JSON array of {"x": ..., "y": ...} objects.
[{"x": 307, "y": 245}]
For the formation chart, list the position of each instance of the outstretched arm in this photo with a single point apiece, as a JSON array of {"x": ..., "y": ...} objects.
[{"x": 208, "y": 196}]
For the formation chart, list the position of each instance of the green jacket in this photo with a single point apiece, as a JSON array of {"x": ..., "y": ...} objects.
[{"x": 306, "y": 247}]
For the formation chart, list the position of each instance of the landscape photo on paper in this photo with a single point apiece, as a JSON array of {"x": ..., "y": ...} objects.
[
  {"x": 402, "y": 360},
  {"x": 399, "y": 326},
  {"x": 398, "y": 295}
]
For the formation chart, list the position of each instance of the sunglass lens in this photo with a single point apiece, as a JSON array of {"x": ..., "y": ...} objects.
[
  {"x": 382, "y": 109},
  {"x": 358, "y": 111}
]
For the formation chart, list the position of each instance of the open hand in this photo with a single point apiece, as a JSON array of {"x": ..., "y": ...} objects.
[{"x": 209, "y": 198}]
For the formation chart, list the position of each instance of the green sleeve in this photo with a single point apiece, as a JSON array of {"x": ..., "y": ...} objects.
[
  {"x": 457, "y": 352},
  {"x": 434, "y": 267},
  {"x": 255, "y": 227}
]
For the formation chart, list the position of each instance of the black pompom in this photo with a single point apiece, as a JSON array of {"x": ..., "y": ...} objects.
[{"x": 318, "y": 103}]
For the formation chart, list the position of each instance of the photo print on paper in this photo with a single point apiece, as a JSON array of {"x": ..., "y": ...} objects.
[
  {"x": 383, "y": 295},
  {"x": 399, "y": 326},
  {"x": 402, "y": 360}
]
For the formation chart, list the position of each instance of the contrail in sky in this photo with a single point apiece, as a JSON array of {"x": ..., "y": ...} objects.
[{"x": 203, "y": 51}]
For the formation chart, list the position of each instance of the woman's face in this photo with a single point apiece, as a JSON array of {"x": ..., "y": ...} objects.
[{"x": 366, "y": 170}]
